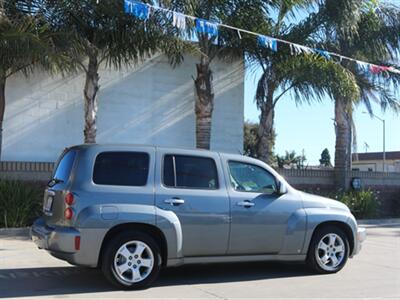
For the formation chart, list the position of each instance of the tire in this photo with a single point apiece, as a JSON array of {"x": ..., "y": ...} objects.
[
  {"x": 124, "y": 266},
  {"x": 327, "y": 243}
]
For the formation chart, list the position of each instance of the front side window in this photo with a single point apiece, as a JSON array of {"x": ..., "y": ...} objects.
[
  {"x": 181, "y": 171},
  {"x": 251, "y": 178},
  {"x": 121, "y": 168},
  {"x": 64, "y": 166}
]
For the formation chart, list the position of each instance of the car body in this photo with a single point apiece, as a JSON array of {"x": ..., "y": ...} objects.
[{"x": 185, "y": 206}]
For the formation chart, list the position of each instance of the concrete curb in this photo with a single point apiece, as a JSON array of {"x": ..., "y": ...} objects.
[
  {"x": 380, "y": 222},
  {"x": 14, "y": 232}
]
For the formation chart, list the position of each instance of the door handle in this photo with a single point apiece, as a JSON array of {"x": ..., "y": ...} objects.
[
  {"x": 174, "y": 201},
  {"x": 245, "y": 203}
]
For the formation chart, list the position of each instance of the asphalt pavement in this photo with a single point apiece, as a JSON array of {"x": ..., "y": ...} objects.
[{"x": 26, "y": 272}]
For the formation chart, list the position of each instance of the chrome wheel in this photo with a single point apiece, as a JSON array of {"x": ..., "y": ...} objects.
[
  {"x": 133, "y": 262},
  {"x": 330, "y": 252}
]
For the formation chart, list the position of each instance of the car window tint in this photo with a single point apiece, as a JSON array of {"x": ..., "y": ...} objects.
[
  {"x": 121, "y": 168},
  {"x": 64, "y": 166},
  {"x": 190, "y": 172},
  {"x": 251, "y": 178}
]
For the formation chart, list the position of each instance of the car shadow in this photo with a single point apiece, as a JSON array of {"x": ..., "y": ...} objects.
[{"x": 77, "y": 280}]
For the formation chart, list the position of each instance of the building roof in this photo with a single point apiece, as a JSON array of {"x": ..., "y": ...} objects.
[{"x": 391, "y": 155}]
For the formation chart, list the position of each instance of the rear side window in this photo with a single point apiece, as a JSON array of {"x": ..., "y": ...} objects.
[
  {"x": 181, "y": 171},
  {"x": 121, "y": 168},
  {"x": 63, "y": 169}
]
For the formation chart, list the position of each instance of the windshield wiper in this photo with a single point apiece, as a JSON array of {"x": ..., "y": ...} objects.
[{"x": 54, "y": 181}]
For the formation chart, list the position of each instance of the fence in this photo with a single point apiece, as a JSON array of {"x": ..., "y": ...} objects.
[{"x": 387, "y": 184}]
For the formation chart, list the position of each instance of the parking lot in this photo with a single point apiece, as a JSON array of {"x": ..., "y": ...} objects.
[{"x": 26, "y": 271}]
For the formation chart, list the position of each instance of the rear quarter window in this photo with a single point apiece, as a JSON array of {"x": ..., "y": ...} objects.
[
  {"x": 121, "y": 168},
  {"x": 64, "y": 166}
]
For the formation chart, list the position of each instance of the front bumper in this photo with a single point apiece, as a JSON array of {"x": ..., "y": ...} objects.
[
  {"x": 54, "y": 239},
  {"x": 361, "y": 237}
]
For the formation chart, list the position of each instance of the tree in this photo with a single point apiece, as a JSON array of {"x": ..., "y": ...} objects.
[
  {"x": 291, "y": 159},
  {"x": 375, "y": 39},
  {"x": 100, "y": 32},
  {"x": 25, "y": 44},
  {"x": 240, "y": 13},
  {"x": 305, "y": 76},
  {"x": 325, "y": 158}
]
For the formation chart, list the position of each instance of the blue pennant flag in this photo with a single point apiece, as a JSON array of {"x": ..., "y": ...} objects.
[
  {"x": 323, "y": 53},
  {"x": 206, "y": 27},
  {"x": 139, "y": 10},
  {"x": 268, "y": 42}
]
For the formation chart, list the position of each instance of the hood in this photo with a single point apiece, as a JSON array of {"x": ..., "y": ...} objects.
[{"x": 314, "y": 201}]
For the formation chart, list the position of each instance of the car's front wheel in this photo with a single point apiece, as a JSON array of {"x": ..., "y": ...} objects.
[
  {"x": 131, "y": 260},
  {"x": 329, "y": 250}
]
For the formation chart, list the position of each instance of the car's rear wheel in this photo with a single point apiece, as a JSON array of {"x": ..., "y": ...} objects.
[
  {"x": 131, "y": 260},
  {"x": 329, "y": 250}
]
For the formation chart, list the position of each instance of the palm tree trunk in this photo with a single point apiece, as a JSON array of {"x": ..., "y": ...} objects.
[
  {"x": 349, "y": 143},
  {"x": 266, "y": 134},
  {"x": 204, "y": 105},
  {"x": 343, "y": 136},
  {"x": 91, "y": 105},
  {"x": 2, "y": 109}
]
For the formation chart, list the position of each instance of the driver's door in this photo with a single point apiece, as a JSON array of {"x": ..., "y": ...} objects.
[{"x": 259, "y": 215}]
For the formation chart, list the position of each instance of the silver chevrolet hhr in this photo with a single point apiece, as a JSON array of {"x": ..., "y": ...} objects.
[{"x": 131, "y": 210}]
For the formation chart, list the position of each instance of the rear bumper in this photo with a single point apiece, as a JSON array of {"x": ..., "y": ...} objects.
[
  {"x": 61, "y": 242},
  {"x": 360, "y": 238},
  {"x": 59, "y": 239}
]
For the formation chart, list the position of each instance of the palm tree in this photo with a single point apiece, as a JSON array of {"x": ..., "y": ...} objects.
[
  {"x": 375, "y": 39},
  {"x": 25, "y": 43},
  {"x": 305, "y": 76},
  {"x": 100, "y": 32},
  {"x": 226, "y": 44}
]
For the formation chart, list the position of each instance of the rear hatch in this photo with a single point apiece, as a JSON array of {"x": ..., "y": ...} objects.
[{"x": 54, "y": 195}]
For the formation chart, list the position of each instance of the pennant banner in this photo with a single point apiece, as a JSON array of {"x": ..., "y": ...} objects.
[
  {"x": 378, "y": 69},
  {"x": 206, "y": 27},
  {"x": 298, "y": 49},
  {"x": 323, "y": 53},
  {"x": 268, "y": 42},
  {"x": 142, "y": 12},
  {"x": 139, "y": 10},
  {"x": 179, "y": 21}
]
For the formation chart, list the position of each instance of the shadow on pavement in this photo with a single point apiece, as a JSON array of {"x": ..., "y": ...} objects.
[{"x": 77, "y": 280}]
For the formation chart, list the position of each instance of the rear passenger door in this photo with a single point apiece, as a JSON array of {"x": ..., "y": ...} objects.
[{"x": 191, "y": 184}]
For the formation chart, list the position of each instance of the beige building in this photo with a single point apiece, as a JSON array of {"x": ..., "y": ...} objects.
[{"x": 373, "y": 161}]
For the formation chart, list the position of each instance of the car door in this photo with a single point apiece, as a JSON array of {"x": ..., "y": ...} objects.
[
  {"x": 191, "y": 184},
  {"x": 259, "y": 214}
]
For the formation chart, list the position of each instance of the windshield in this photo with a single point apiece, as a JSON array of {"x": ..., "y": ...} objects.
[{"x": 63, "y": 169}]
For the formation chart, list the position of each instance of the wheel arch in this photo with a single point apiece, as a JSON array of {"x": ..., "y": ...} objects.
[
  {"x": 340, "y": 224},
  {"x": 151, "y": 230}
]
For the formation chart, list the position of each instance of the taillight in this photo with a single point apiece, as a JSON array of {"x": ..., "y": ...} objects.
[
  {"x": 69, "y": 198},
  {"x": 68, "y": 213}
]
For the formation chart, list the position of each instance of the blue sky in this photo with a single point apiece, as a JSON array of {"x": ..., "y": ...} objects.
[{"x": 311, "y": 127}]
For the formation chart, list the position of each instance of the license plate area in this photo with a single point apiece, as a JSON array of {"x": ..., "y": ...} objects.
[{"x": 48, "y": 205}]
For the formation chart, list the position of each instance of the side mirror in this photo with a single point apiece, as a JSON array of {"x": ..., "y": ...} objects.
[{"x": 282, "y": 188}]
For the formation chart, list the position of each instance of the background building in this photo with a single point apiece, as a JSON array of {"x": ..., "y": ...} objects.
[
  {"x": 149, "y": 104},
  {"x": 373, "y": 161}
]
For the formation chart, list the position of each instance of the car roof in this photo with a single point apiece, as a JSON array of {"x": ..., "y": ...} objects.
[{"x": 144, "y": 146}]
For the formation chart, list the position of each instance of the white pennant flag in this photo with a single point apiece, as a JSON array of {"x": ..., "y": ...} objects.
[
  {"x": 363, "y": 66},
  {"x": 179, "y": 20},
  {"x": 298, "y": 49}
]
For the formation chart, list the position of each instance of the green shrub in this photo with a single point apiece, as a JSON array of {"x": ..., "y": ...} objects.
[
  {"x": 20, "y": 203},
  {"x": 363, "y": 204}
]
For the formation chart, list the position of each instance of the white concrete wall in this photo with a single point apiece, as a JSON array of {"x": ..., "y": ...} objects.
[{"x": 149, "y": 104}]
